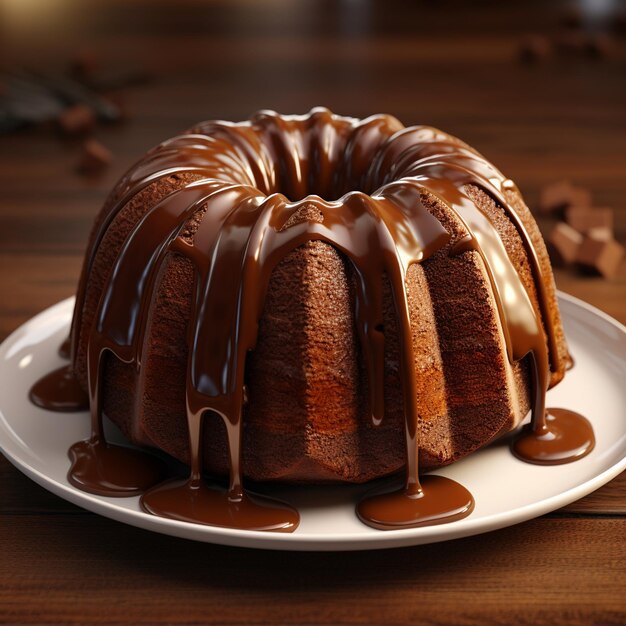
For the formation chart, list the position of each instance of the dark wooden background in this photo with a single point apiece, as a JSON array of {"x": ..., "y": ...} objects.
[{"x": 448, "y": 64}]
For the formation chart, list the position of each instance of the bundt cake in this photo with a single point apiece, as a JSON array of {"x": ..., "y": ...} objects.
[{"x": 311, "y": 299}]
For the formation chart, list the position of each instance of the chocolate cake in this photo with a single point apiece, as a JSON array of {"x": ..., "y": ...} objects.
[{"x": 311, "y": 299}]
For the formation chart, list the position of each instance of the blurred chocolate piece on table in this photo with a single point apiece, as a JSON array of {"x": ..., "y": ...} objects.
[
  {"x": 584, "y": 218},
  {"x": 94, "y": 157},
  {"x": 563, "y": 244},
  {"x": 599, "y": 256},
  {"x": 72, "y": 92},
  {"x": 558, "y": 196},
  {"x": 583, "y": 238},
  {"x": 600, "y": 233},
  {"x": 77, "y": 119},
  {"x": 32, "y": 98}
]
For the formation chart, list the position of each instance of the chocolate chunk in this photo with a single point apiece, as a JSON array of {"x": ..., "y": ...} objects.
[
  {"x": 94, "y": 157},
  {"x": 558, "y": 196},
  {"x": 73, "y": 93},
  {"x": 563, "y": 244},
  {"x": 584, "y": 218},
  {"x": 600, "y": 233},
  {"x": 599, "y": 256},
  {"x": 77, "y": 119},
  {"x": 535, "y": 49}
]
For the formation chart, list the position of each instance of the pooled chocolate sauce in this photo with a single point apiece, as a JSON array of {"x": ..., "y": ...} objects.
[
  {"x": 566, "y": 436},
  {"x": 110, "y": 470},
  {"x": 59, "y": 391},
  {"x": 253, "y": 178},
  {"x": 195, "y": 501},
  {"x": 435, "y": 500}
]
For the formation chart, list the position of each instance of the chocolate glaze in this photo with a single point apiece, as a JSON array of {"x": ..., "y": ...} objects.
[
  {"x": 256, "y": 177},
  {"x": 59, "y": 391}
]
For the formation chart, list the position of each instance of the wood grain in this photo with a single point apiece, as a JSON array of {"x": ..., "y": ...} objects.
[
  {"x": 450, "y": 64},
  {"x": 92, "y": 570}
]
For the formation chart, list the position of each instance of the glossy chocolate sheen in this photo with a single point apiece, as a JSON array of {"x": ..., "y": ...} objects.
[
  {"x": 255, "y": 181},
  {"x": 59, "y": 391}
]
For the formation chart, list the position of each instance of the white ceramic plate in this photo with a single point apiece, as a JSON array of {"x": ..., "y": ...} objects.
[{"x": 506, "y": 490}]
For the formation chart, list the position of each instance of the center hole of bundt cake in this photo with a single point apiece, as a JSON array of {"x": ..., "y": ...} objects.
[
  {"x": 299, "y": 168},
  {"x": 314, "y": 178}
]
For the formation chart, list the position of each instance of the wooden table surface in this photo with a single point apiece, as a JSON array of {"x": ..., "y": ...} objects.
[{"x": 447, "y": 64}]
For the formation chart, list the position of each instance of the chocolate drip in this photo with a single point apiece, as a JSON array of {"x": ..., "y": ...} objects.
[
  {"x": 255, "y": 179},
  {"x": 65, "y": 349}
]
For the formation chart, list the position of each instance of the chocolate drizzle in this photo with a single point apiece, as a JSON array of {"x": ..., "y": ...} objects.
[{"x": 253, "y": 181}]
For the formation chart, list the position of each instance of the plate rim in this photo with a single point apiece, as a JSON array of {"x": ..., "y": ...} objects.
[{"x": 311, "y": 541}]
